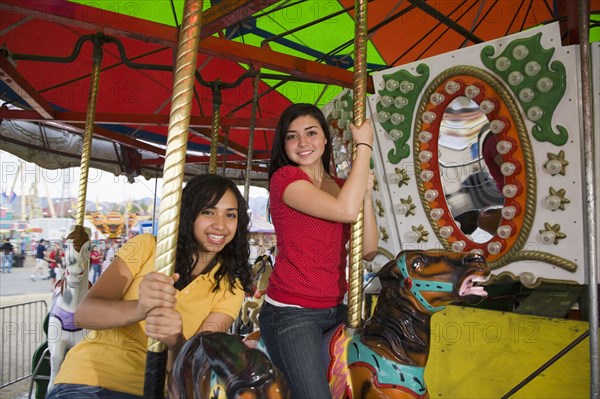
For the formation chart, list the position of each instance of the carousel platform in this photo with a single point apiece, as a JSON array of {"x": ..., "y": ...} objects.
[{"x": 480, "y": 354}]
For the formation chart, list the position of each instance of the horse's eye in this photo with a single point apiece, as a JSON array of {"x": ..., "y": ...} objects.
[{"x": 417, "y": 264}]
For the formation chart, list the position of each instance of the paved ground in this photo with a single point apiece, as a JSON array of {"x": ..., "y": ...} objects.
[{"x": 17, "y": 288}]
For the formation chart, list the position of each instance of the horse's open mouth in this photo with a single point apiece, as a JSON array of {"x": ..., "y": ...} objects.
[{"x": 470, "y": 286}]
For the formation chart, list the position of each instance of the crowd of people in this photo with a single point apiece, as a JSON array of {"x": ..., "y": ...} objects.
[{"x": 50, "y": 262}]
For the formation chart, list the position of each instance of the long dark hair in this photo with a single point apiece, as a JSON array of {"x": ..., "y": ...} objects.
[
  {"x": 278, "y": 156},
  {"x": 203, "y": 192}
]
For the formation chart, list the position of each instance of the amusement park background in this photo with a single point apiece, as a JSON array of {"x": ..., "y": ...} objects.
[{"x": 38, "y": 203}]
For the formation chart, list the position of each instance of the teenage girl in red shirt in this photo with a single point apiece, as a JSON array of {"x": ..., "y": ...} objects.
[{"x": 312, "y": 211}]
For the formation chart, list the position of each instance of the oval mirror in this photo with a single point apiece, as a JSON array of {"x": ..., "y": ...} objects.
[
  {"x": 498, "y": 157},
  {"x": 470, "y": 168}
]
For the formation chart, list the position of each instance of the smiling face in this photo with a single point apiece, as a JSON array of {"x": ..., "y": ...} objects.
[
  {"x": 215, "y": 227},
  {"x": 305, "y": 142}
]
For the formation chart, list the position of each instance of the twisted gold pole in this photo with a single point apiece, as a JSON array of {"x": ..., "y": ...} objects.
[
  {"x": 90, "y": 118},
  {"x": 216, "y": 125},
  {"x": 179, "y": 123},
  {"x": 360, "y": 95}
]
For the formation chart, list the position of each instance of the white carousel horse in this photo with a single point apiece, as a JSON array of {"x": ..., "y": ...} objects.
[{"x": 63, "y": 334}]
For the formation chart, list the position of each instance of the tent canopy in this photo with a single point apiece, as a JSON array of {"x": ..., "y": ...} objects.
[{"x": 303, "y": 50}]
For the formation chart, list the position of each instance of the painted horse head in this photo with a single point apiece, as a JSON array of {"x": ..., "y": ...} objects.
[
  {"x": 219, "y": 365},
  {"x": 430, "y": 280},
  {"x": 396, "y": 338},
  {"x": 77, "y": 256}
]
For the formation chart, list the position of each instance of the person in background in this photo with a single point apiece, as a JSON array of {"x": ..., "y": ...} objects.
[
  {"x": 312, "y": 210},
  {"x": 96, "y": 262},
  {"x": 131, "y": 302},
  {"x": 7, "y": 256},
  {"x": 55, "y": 262},
  {"x": 40, "y": 261}
]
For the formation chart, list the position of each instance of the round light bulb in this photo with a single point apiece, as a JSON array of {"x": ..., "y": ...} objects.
[
  {"x": 446, "y": 231},
  {"x": 548, "y": 237},
  {"x": 400, "y": 102},
  {"x": 553, "y": 167},
  {"x": 383, "y": 116},
  {"x": 426, "y": 175},
  {"x": 486, "y": 106},
  {"x": 508, "y": 212},
  {"x": 458, "y": 246},
  {"x": 472, "y": 91},
  {"x": 520, "y": 52},
  {"x": 386, "y": 101},
  {"x": 504, "y": 231},
  {"x": 431, "y": 195},
  {"x": 391, "y": 84},
  {"x": 494, "y": 247},
  {"x": 502, "y": 63},
  {"x": 544, "y": 84},
  {"x": 451, "y": 87},
  {"x": 508, "y": 168},
  {"x": 396, "y": 118},
  {"x": 425, "y": 136},
  {"x": 503, "y": 147},
  {"x": 436, "y": 213},
  {"x": 429, "y": 117},
  {"x": 510, "y": 190},
  {"x": 552, "y": 202},
  {"x": 526, "y": 95},
  {"x": 437, "y": 98},
  {"x": 425, "y": 156},
  {"x": 532, "y": 68},
  {"x": 535, "y": 113},
  {"x": 406, "y": 86},
  {"x": 515, "y": 78},
  {"x": 497, "y": 126}
]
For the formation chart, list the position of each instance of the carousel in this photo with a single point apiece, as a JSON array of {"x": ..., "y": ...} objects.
[{"x": 483, "y": 153}]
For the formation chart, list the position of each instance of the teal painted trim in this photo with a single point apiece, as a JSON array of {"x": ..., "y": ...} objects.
[
  {"x": 423, "y": 285},
  {"x": 388, "y": 371}
]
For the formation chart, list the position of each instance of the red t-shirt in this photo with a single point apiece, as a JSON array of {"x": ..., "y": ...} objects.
[{"x": 310, "y": 267}]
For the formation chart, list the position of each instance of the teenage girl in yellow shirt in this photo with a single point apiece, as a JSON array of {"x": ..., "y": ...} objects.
[{"x": 131, "y": 302}]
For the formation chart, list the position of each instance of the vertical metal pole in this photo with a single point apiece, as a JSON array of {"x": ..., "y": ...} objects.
[
  {"x": 588, "y": 159},
  {"x": 90, "y": 118},
  {"x": 168, "y": 222},
  {"x": 360, "y": 96}
]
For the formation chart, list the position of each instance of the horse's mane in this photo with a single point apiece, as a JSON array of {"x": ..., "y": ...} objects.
[
  {"x": 79, "y": 237},
  {"x": 239, "y": 366},
  {"x": 396, "y": 324}
]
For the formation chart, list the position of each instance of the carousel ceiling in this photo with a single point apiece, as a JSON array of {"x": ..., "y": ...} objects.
[{"x": 302, "y": 50}]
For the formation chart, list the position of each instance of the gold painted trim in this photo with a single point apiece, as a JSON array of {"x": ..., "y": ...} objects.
[{"x": 529, "y": 206}]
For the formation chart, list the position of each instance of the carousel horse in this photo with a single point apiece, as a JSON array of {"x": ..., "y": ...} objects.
[
  {"x": 262, "y": 270},
  {"x": 63, "y": 334},
  {"x": 385, "y": 360}
]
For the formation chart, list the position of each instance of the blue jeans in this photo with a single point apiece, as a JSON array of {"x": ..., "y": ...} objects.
[
  {"x": 293, "y": 338},
  {"x": 7, "y": 262},
  {"x": 78, "y": 391}
]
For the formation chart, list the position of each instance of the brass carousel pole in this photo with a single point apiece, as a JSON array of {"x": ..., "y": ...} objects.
[
  {"x": 216, "y": 125},
  {"x": 168, "y": 220},
  {"x": 90, "y": 118},
  {"x": 360, "y": 96}
]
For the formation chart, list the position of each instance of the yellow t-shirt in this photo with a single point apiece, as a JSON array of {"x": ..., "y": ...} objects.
[{"x": 116, "y": 358}]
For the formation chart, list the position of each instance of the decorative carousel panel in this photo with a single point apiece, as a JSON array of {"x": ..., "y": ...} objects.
[
  {"x": 339, "y": 114},
  {"x": 479, "y": 151}
]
